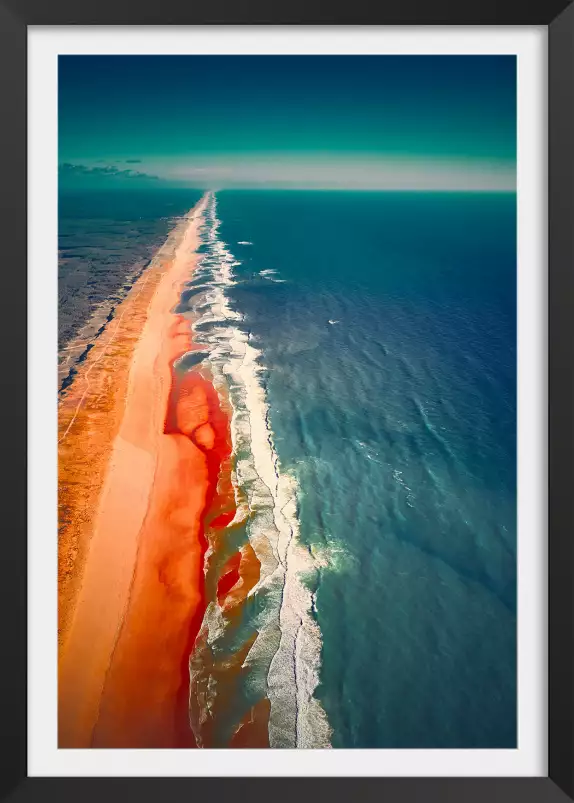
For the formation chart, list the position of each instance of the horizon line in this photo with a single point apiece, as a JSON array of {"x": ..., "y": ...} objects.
[{"x": 164, "y": 185}]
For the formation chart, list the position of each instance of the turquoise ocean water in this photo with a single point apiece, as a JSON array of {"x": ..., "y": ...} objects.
[{"x": 385, "y": 325}]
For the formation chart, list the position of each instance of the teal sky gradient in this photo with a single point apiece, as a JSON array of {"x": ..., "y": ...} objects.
[{"x": 426, "y": 122}]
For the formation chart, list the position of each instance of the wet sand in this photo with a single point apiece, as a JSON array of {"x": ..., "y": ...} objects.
[{"x": 132, "y": 495}]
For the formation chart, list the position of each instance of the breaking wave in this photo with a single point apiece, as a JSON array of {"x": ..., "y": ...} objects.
[{"x": 282, "y": 659}]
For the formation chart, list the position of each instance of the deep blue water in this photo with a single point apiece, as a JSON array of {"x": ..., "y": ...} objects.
[{"x": 389, "y": 354}]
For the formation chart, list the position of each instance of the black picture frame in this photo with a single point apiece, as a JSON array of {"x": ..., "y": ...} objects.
[{"x": 558, "y": 15}]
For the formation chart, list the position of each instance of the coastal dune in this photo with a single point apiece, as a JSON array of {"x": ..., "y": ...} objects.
[{"x": 131, "y": 541}]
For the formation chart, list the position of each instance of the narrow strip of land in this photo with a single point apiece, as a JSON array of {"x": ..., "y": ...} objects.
[{"x": 126, "y": 491}]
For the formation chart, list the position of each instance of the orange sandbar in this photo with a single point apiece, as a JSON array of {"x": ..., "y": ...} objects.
[{"x": 123, "y": 678}]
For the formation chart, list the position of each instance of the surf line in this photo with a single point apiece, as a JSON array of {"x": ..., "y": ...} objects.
[{"x": 283, "y": 660}]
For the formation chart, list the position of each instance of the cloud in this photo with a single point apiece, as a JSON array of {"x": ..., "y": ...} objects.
[
  {"x": 329, "y": 171},
  {"x": 72, "y": 172}
]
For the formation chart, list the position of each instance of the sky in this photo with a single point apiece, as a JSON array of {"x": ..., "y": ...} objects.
[{"x": 317, "y": 122}]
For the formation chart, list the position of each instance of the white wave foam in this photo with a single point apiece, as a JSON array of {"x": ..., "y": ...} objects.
[
  {"x": 289, "y": 640},
  {"x": 332, "y": 556},
  {"x": 270, "y": 274}
]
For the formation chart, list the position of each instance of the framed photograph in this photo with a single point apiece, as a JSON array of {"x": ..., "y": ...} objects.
[{"x": 298, "y": 370}]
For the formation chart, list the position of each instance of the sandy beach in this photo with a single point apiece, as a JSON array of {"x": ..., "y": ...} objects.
[{"x": 132, "y": 495}]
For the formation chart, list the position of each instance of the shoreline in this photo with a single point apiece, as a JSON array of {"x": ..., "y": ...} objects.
[
  {"x": 284, "y": 643},
  {"x": 116, "y": 459}
]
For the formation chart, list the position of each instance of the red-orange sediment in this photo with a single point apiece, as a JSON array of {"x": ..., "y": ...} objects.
[
  {"x": 229, "y": 577},
  {"x": 246, "y": 577},
  {"x": 145, "y": 698},
  {"x": 253, "y": 730},
  {"x": 223, "y": 520}
]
